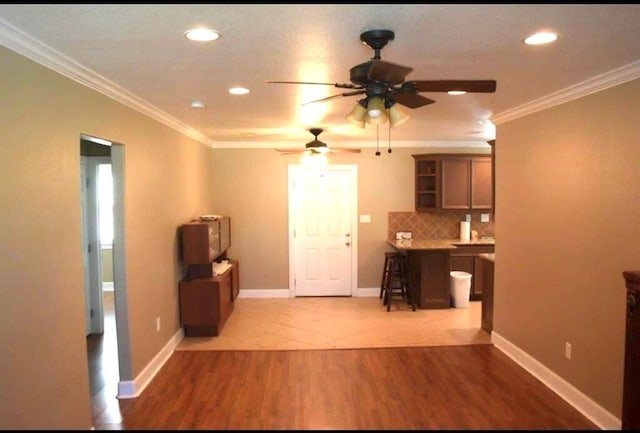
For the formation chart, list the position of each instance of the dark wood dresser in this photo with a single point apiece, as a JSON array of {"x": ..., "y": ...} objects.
[
  {"x": 631, "y": 392},
  {"x": 210, "y": 288}
]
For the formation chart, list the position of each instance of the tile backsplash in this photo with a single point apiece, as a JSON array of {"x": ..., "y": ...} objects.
[{"x": 436, "y": 225}]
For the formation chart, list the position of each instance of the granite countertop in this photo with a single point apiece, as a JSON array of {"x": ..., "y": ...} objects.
[
  {"x": 488, "y": 256},
  {"x": 422, "y": 244},
  {"x": 437, "y": 244}
]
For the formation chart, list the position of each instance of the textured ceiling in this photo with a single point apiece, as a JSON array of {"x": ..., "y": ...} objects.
[{"x": 138, "y": 52}]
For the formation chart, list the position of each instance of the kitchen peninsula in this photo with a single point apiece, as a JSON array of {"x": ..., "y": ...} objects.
[{"x": 429, "y": 263}]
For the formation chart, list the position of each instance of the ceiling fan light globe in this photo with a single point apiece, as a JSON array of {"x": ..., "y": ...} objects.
[
  {"x": 357, "y": 115},
  {"x": 376, "y": 109},
  {"x": 376, "y": 120},
  {"x": 354, "y": 121},
  {"x": 397, "y": 116}
]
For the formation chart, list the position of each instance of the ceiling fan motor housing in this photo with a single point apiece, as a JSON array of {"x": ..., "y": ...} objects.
[
  {"x": 377, "y": 39},
  {"x": 315, "y": 143}
]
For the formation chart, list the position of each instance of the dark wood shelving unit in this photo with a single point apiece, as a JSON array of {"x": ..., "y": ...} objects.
[{"x": 208, "y": 291}]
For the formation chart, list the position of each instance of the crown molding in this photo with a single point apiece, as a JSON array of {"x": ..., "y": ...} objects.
[
  {"x": 592, "y": 85},
  {"x": 24, "y": 44},
  {"x": 445, "y": 144}
]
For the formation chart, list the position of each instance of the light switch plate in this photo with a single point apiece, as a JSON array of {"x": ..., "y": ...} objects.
[
  {"x": 484, "y": 217},
  {"x": 365, "y": 218}
]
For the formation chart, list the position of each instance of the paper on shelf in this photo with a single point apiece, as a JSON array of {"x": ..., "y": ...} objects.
[{"x": 220, "y": 268}]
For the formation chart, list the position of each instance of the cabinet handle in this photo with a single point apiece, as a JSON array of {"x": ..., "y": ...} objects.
[{"x": 347, "y": 243}]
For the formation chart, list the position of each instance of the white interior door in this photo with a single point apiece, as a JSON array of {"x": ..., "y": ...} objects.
[
  {"x": 91, "y": 243},
  {"x": 323, "y": 206},
  {"x": 85, "y": 243}
]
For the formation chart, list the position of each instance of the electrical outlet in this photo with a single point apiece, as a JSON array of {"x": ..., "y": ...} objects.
[
  {"x": 467, "y": 217},
  {"x": 567, "y": 350},
  {"x": 157, "y": 324},
  {"x": 484, "y": 218}
]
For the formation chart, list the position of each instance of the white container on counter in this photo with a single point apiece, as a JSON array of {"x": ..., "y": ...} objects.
[{"x": 465, "y": 230}]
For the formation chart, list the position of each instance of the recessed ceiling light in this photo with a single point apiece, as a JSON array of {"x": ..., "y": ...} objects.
[
  {"x": 541, "y": 38},
  {"x": 197, "y": 104},
  {"x": 202, "y": 35},
  {"x": 456, "y": 92},
  {"x": 238, "y": 91}
]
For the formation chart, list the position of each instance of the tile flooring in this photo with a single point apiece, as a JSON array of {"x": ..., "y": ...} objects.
[{"x": 340, "y": 322}]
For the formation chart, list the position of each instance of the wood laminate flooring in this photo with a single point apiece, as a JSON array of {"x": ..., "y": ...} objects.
[{"x": 337, "y": 363}]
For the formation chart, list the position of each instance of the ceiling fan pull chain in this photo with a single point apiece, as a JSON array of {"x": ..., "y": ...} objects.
[
  {"x": 389, "y": 148},
  {"x": 377, "y": 140}
]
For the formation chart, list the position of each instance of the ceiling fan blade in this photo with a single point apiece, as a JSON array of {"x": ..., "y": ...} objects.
[
  {"x": 387, "y": 72},
  {"x": 338, "y": 85},
  {"x": 412, "y": 100},
  {"x": 479, "y": 86},
  {"x": 355, "y": 92},
  {"x": 344, "y": 150},
  {"x": 290, "y": 151}
]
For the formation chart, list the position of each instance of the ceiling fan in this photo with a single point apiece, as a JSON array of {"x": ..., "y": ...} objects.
[
  {"x": 317, "y": 147},
  {"x": 383, "y": 85}
]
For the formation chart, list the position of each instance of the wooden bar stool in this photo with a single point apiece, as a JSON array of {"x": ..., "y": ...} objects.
[
  {"x": 385, "y": 271},
  {"x": 395, "y": 280}
]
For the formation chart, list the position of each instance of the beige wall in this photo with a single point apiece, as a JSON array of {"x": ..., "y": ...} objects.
[
  {"x": 567, "y": 212},
  {"x": 251, "y": 186},
  {"x": 44, "y": 381},
  {"x": 106, "y": 255}
]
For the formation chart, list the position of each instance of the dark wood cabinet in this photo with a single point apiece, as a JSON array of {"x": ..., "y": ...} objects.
[
  {"x": 427, "y": 194},
  {"x": 429, "y": 275},
  {"x": 207, "y": 303},
  {"x": 204, "y": 241},
  {"x": 466, "y": 182},
  {"x": 208, "y": 291},
  {"x": 465, "y": 258},
  {"x": 486, "y": 278},
  {"x": 453, "y": 182},
  {"x": 631, "y": 390}
]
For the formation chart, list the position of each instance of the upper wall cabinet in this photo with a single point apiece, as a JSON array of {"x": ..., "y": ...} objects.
[
  {"x": 205, "y": 241},
  {"x": 453, "y": 182},
  {"x": 426, "y": 182}
]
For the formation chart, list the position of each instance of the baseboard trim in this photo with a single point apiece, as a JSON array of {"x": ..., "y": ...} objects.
[
  {"x": 367, "y": 293},
  {"x": 133, "y": 388},
  {"x": 269, "y": 293},
  {"x": 581, "y": 402},
  {"x": 287, "y": 293}
]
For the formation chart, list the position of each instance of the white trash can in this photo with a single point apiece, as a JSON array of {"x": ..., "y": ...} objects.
[{"x": 460, "y": 288}]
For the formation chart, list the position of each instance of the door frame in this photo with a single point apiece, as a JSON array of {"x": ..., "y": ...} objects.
[
  {"x": 352, "y": 169},
  {"x": 127, "y": 387},
  {"x": 92, "y": 246}
]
